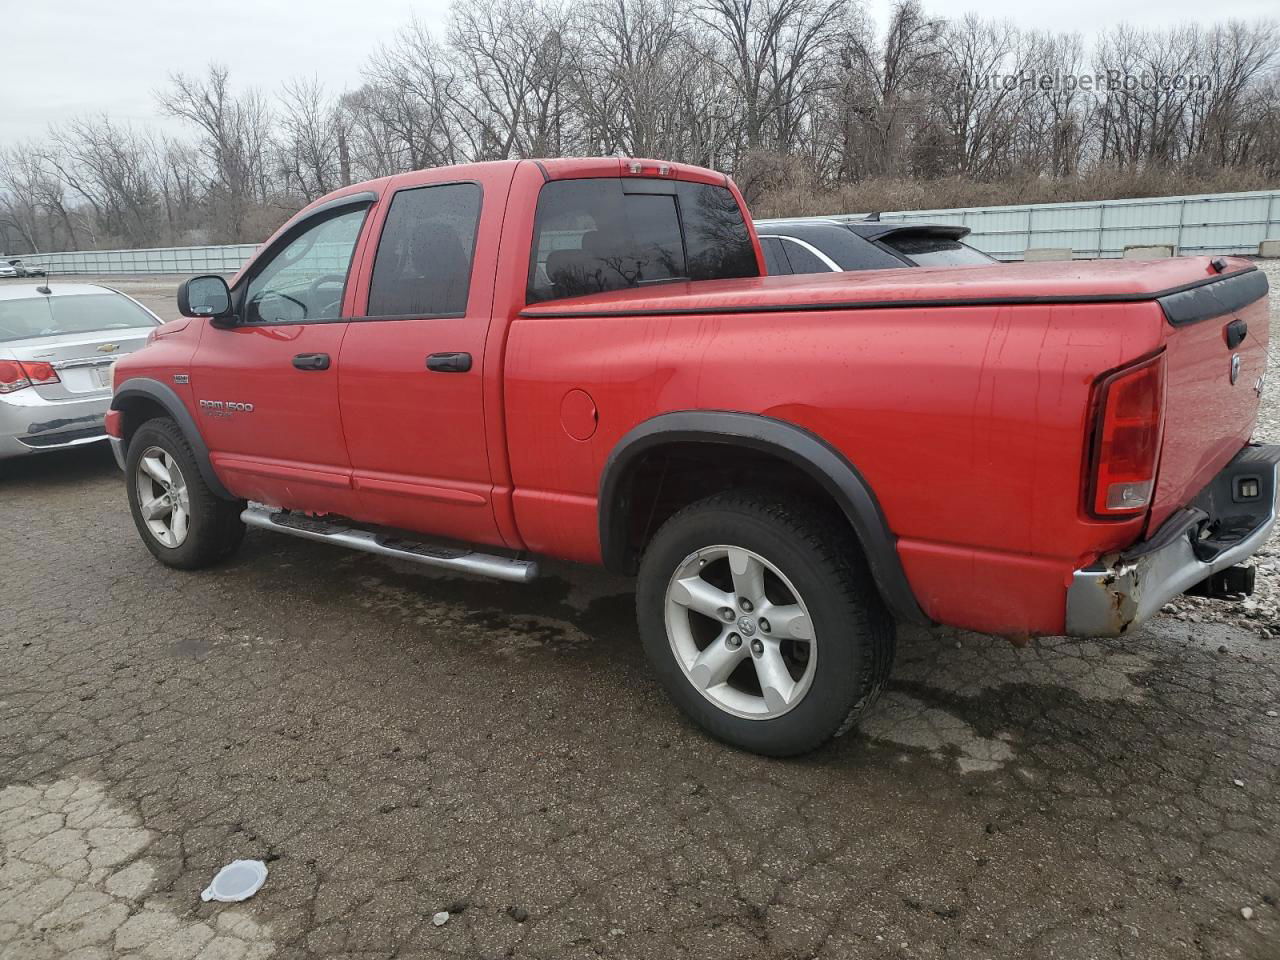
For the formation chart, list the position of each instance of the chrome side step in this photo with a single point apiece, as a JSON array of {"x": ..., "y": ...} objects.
[{"x": 450, "y": 558}]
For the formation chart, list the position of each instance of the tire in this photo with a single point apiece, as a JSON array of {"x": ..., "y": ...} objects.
[
  {"x": 831, "y": 679},
  {"x": 212, "y": 529}
]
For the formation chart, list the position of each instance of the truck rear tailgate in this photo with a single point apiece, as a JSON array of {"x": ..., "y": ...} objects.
[{"x": 1216, "y": 346}]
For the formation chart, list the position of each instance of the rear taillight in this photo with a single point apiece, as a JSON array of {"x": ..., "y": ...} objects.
[
  {"x": 40, "y": 373},
  {"x": 1126, "y": 439},
  {"x": 14, "y": 374}
]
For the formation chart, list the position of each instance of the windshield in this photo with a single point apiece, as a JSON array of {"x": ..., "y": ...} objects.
[
  {"x": 45, "y": 316},
  {"x": 932, "y": 251}
]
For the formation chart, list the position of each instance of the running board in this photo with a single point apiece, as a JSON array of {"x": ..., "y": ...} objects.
[{"x": 450, "y": 558}]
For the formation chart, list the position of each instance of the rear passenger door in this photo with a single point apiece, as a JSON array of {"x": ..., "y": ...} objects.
[{"x": 411, "y": 370}]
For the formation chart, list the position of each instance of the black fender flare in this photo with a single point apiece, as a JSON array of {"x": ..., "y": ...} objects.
[
  {"x": 788, "y": 442},
  {"x": 168, "y": 399}
]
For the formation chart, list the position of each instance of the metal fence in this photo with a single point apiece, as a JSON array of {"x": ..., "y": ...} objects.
[
  {"x": 1206, "y": 223},
  {"x": 185, "y": 260}
]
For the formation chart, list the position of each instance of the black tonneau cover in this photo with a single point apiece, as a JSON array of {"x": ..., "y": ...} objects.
[{"x": 1213, "y": 298}]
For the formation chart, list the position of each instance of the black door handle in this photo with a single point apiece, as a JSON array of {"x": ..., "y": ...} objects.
[
  {"x": 449, "y": 362},
  {"x": 1236, "y": 331},
  {"x": 311, "y": 361}
]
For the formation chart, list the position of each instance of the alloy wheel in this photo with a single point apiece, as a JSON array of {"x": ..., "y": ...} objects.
[
  {"x": 163, "y": 499},
  {"x": 741, "y": 632}
]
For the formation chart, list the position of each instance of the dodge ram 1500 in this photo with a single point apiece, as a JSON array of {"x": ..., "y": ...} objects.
[{"x": 472, "y": 366}]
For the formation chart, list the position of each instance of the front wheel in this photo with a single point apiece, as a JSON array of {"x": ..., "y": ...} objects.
[
  {"x": 762, "y": 622},
  {"x": 181, "y": 521}
]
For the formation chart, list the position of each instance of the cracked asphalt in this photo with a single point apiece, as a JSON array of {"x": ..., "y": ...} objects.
[{"x": 396, "y": 743}]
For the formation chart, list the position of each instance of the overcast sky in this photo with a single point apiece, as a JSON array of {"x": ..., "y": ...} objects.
[{"x": 61, "y": 59}]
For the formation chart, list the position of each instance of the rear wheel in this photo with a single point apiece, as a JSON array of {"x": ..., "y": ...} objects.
[
  {"x": 181, "y": 521},
  {"x": 762, "y": 623}
]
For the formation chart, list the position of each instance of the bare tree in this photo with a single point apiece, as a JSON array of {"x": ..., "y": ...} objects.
[
  {"x": 33, "y": 204},
  {"x": 1235, "y": 58},
  {"x": 235, "y": 137},
  {"x": 405, "y": 117},
  {"x": 308, "y": 133},
  {"x": 515, "y": 62},
  {"x": 111, "y": 168},
  {"x": 772, "y": 52},
  {"x": 798, "y": 99},
  {"x": 979, "y": 113},
  {"x": 886, "y": 90}
]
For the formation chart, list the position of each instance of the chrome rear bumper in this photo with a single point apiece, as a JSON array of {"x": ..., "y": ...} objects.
[{"x": 1217, "y": 530}]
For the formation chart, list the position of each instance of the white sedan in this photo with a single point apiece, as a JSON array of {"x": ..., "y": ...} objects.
[{"x": 57, "y": 345}]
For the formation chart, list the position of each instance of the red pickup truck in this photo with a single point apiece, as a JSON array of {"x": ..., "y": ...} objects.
[{"x": 471, "y": 366}]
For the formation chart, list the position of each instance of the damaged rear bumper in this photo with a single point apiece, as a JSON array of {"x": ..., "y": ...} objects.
[
  {"x": 1219, "y": 529},
  {"x": 30, "y": 424}
]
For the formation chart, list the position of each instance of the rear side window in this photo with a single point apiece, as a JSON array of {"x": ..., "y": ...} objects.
[
  {"x": 803, "y": 260},
  {"x": 593, "y": 235},
  {"x": 926, "y": 251},
  {"x": 853, "y": 252},
  {"x": 775, "y": 261},
  {"x": 47, "y": 316},
  {"x": 423, "y": 265}
]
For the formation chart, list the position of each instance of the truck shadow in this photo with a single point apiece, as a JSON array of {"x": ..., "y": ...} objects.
[
  {"x": 969, "y": 703},
  {"x": 62, "y": 468}
]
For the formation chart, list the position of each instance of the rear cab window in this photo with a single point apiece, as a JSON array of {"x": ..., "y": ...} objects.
[
  {"x": 595, "y": 235},
  {"x": 425, "y": 254}
]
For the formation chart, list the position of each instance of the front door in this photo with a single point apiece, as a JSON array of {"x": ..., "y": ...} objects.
[
  {"x": 267, "y": 386},
  {"x": 411, "y": 384}
]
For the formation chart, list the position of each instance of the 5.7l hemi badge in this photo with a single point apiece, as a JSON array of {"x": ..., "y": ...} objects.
[{"x": 224, "y": 408}]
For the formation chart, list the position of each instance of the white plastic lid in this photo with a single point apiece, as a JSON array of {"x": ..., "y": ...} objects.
[{"x": 238, "y": 880}]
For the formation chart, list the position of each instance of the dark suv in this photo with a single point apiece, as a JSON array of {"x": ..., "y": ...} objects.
[{"x": 823, "y": 246}]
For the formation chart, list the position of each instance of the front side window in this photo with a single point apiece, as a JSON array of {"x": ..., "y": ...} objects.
[
  {"x": 594, "y": 235},
  {"x": 306, "y": 279},
  {"x": 423, "y": 266}
]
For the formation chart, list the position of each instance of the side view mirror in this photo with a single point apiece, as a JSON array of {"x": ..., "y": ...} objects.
[{"x": 206, "y": 296}]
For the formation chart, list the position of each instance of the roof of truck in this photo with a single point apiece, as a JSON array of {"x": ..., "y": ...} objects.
[{"x": 1075, "y": 281}]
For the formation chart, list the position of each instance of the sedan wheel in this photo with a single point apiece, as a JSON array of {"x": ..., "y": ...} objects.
[{"x": 163, "y": 499}]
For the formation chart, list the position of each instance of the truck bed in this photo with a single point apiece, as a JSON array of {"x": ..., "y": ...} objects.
[{"x": 963, "y": 395}]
